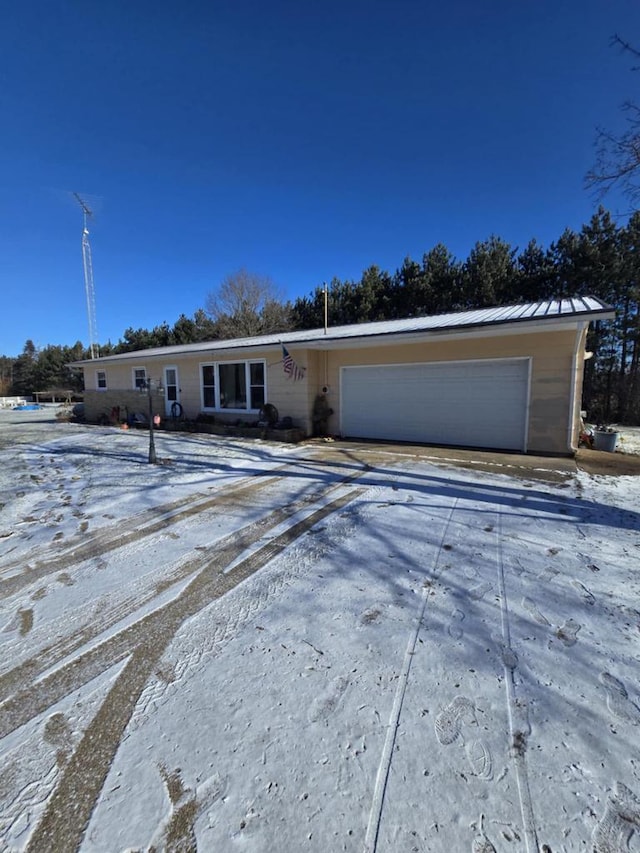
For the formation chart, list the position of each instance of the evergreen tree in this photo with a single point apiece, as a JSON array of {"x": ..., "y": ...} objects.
[
  {"x": 442, "y": 281},
  {"x": 6, "y": 375},
  {"x": 601, "y": 260},
  {"x": 536, "y": 274},
  {"x": 489, "y": 275},
  {"x": 628, "y": 325},
  {"x": 24, "y": 370}
]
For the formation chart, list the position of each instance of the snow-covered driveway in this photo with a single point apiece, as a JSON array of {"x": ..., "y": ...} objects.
[{"x": 271, "y": 648}]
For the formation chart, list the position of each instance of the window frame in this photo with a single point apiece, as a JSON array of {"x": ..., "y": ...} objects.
[
  {"x": 99, "y": 374},
  {"x": 135, "y": 380},
  {"x": 248, "y": 386},
  {"x": 213, "y": 386}
]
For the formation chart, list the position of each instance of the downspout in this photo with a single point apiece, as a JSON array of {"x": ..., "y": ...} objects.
[{"x": 581, "y": 331}]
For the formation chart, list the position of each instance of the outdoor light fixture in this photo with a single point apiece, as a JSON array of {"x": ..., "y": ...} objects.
[{"x": 151, "y": 385}]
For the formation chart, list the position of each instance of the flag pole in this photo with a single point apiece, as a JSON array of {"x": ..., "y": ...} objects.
[{"x": 326, "y": 308}]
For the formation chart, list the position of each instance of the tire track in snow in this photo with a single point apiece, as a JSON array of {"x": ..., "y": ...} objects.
[
  {"x": 98, "y": 623},
  {"x": 21, "y": 700},
  {"x": 382, "y": 777},
  {"x": 69, "y": 810},
  {"x": 125, "y": 532},
  {"x": 448, "y": 722},
  {"x": 516, "y": 709},
  {"x": 187, "y": 654}
]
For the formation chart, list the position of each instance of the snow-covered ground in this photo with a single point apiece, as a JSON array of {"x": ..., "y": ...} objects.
[
  {"x": 261, "y": 647},
  {"x": 629, "y": 440}
]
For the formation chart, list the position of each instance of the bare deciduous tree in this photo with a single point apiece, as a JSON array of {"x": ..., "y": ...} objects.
[
  {"x": 618, "y": 155},
  {"x": 247, "y": 304}
]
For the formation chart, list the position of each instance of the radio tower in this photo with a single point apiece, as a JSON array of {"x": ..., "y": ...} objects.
[{"x": 88, "y": 279}]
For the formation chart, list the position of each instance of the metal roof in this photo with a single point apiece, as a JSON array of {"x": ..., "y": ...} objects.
[{"x": 576, "y": 309}]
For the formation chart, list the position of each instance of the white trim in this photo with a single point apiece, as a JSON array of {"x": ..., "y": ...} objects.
[
  {"x": 527, "y": 408},
  {"x": 167, "y": 402},
  {"x": 216, "y": 378},
  {"x": 574, "y": 404},
  {"x": 105, "y": 387},
  {"x": 212, "y": 364},
  {"x": 263, "y": 362},
  {"x": 133, "y": 376}
]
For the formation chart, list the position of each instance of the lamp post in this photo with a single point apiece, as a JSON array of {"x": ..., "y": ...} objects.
[{"x": 150, "y": 385}]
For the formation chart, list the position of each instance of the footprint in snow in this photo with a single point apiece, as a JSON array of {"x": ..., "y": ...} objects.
[
  {"x": 533, "y": 611},
  {"x": 480, "y": 759},
  {"x": 478, "y": 592},
  {"x": 176, "y": 833},
  {"x": 21, "y": 622},
  {"x": 568, "y": 632},
  {"x": 587, "y": 596},
  {"x": 327, "y": 702},
  {"x": 455, "y": 627},
  {"x": 449, "y": 721},
  {"x": 58, "y": 732},
  {"x": 481, "y": 843},
  {"x": 617, "y": 825},
  {"x": 618, "y": 700},
  {"x": 369, "y": 616}
]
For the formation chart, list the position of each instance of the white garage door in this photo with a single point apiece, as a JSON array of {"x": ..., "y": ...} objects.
[{"x": 467, "y": 403}]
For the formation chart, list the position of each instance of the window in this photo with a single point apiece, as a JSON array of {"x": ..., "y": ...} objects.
[
  {"x": 171, "y": 385},
  {"x": 139, "y": 377},
  {"x": 256, "y": 372},
  {"x": 101, "y": 380},
  {"x": 233, "y": 385},
  {"x": 208, "y": 386}
]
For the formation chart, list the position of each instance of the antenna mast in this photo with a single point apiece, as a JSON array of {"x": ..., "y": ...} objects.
[{"x": 88, "y": 279}]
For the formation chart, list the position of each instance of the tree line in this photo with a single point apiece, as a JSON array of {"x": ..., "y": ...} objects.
[{"x": 602, "y": 260}]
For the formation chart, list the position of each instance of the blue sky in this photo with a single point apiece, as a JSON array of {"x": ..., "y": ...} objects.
[{"x": 299, "y": 140}]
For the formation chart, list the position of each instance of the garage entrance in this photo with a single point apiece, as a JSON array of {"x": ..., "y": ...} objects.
[{"x": 466, "y": 403}]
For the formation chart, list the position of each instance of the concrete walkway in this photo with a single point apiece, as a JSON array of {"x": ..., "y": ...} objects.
[{"x": 549, "y": 468}]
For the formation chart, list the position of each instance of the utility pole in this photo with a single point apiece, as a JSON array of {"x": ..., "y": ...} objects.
[{"x": 88, "y": 279}]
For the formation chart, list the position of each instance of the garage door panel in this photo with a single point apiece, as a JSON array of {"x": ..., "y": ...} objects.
[{"x": 477, "y": 404}]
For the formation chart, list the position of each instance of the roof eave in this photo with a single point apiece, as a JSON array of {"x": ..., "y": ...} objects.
[{"x": 333, "y": 341}]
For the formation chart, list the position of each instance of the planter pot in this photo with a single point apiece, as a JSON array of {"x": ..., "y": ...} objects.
[{"x": 605, "y": 440}]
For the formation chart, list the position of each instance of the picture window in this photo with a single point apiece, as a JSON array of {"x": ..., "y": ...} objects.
[{"x": 234, "y": 385}]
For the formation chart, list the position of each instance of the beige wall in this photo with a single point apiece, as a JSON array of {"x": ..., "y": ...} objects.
[
  {"x": 550, "y": 423},
  {"x": 293, "y": 399},
  {"x": 552, "y": 427}
]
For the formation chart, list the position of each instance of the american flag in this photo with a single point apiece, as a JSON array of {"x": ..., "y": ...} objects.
[{"x": 290, "y": 367}]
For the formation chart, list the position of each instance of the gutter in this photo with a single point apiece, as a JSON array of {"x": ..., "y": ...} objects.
[{"x": 580, "y": 342}]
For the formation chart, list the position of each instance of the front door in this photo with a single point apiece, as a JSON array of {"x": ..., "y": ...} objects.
[{"x": 171, "y": 393}]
